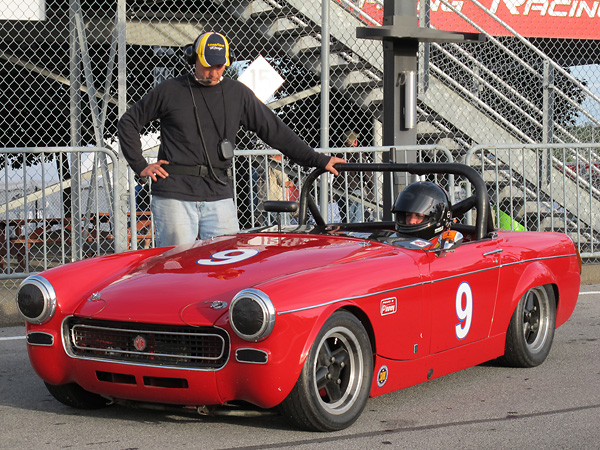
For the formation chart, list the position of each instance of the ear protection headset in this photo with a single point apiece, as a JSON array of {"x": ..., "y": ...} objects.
[{"x": 191, "y": 56}]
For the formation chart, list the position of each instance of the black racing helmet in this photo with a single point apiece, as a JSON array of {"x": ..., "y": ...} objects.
[{"x": 427, "y": 198}]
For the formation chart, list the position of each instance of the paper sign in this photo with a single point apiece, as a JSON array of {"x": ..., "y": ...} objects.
[
  {"x": 262, "y": 78},
  {"x": 23, "y": 10}
]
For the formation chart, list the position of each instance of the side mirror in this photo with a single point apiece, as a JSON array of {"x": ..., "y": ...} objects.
[{"x": 280, "y": 206}]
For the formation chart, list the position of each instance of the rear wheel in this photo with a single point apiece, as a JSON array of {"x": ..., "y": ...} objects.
[
  {"x": 334, "y": 384},
  {"x": 75, "y": 396},
  {"x": 531, "y": 330}
]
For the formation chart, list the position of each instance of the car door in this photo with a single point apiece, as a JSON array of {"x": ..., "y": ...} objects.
[
  {"x": 400, "y": 318},
  {"x": 462, "y": 293}
]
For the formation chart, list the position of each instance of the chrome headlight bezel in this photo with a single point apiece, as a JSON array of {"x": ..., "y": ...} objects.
[
  {"x": 263, "y": 315},
  {"x": 46, "y": 304}
]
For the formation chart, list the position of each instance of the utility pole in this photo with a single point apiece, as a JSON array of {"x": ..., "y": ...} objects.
[{"x": 401, "y": 35}]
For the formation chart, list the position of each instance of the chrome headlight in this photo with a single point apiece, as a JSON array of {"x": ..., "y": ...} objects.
[
  {"x": 36, "y": 299},
  {"x": 252, "y": 315}
]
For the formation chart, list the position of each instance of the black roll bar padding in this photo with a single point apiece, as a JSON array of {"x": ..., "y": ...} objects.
[
  {"x": 483, "y": 224},
  {"x": 314, "y": 209},
  {"x": 306, "y": 199},
  {"x": 458, "y": 209}
]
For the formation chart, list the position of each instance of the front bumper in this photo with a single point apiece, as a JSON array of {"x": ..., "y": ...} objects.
[{"x": 189, "y": 366}]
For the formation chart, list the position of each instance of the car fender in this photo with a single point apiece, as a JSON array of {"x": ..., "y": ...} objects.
[
  {"x": 71, "y": 290},
  {"x": 535, "y": 274},
  {"x": 343, "y": 286},
  {"x": 318, "y": 325},
  {"x": 267, "y": 385}
]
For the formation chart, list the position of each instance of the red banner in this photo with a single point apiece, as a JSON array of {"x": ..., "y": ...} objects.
[{"x": 568, "y": 19}]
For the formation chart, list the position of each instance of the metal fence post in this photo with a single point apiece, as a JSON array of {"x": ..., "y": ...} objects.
[{"x": 548, "y": 120}]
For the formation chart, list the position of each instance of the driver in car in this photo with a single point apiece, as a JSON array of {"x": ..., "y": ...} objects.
[{"x": 422, "y": 210}]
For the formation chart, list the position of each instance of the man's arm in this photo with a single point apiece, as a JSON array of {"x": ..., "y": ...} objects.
[
  {"x": 131, "y": 124},
  {"x": 129, "y": 139},
  {"x": 271, "y": 129}
]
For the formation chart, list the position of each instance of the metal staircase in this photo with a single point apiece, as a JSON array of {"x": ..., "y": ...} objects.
[{"x": 294, "y": 26}]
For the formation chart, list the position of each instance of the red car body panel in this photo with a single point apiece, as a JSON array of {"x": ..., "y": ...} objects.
[{"x": 407, "y": 299}]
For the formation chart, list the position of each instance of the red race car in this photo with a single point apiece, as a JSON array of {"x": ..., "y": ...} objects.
[{"x": 312, "y": 318}]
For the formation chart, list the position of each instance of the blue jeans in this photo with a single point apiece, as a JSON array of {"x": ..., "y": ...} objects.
[
  {"x": 181, "y": 222},
  {"x": 354, "y": 211}
]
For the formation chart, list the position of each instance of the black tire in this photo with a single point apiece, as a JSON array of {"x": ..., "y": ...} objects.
[
  {"x": 334, "y": 385},
  {"x": 531, "y": 330},
  {"x": 75, "y": 396}
]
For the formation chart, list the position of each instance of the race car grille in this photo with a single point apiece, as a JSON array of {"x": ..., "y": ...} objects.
[{"x": 147, "y": 344}]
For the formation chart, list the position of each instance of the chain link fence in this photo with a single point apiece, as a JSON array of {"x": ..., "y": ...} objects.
[
  {"x": 38, "y": 223},
  {"x": 69, "y": 69},
  {"x": 552, "y": 187}
]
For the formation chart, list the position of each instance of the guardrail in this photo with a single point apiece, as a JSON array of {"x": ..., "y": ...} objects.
[
  {"x": 57, "y": 204},
  {"x": 552, "y": 187}
]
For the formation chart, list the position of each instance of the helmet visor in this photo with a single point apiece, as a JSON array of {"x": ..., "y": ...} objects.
[
  {"x": 421, "y": 204},
  {"x": 411, "y": 218}
]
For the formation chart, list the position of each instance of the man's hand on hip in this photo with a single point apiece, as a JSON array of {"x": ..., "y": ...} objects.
[{"x": 155, "y": 170}]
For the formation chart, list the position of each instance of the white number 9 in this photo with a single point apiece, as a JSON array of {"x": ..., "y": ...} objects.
[
  {"x": 228, "y": 257},
  {"x": 464, "y": 314}
]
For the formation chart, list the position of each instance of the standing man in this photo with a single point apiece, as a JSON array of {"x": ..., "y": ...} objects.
[{"x": 200, "y": 115}]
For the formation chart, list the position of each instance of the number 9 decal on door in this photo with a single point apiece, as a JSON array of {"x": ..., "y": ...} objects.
[
  {"x": 228, "y": 257},
  {"x": 464, "y": 314}
]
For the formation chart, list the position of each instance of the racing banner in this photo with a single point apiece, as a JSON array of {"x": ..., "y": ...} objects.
[{"x": 567, "y": 19}]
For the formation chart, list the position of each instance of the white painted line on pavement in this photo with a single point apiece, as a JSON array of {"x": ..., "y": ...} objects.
[{"x": 11, "y": 338}]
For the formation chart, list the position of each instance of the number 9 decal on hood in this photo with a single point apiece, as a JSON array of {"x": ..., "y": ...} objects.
[{"x": 228, "y": 257}]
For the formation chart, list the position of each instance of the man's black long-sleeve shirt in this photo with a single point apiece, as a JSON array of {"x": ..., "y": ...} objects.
[{"x": 221, "y": 109}]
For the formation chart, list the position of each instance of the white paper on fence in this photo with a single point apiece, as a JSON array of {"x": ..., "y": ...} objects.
[
  {"x": 262, "y": 78},
  {"x": 23, "y": 10}
]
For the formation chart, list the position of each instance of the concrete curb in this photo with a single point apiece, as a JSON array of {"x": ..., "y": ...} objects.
[{"x": 590, "y": 274}]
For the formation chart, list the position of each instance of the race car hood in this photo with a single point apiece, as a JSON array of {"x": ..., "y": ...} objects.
[{"x": 194, "y": 284}]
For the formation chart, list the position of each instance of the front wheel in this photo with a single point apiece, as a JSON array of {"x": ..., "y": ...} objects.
[
  {"x": 75, "y": 396},
  {"x": 531, "y": 330},
  {"x": 334, "y": 384}
]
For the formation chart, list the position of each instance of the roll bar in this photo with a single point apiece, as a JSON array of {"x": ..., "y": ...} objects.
[{"x": 483, "y": 224}]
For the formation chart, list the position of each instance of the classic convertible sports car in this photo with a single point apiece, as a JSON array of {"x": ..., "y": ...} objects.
[{"x": 312, "y": 318}]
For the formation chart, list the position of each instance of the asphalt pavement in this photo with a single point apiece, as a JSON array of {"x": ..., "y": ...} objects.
[{"x": 553, "y": 406}]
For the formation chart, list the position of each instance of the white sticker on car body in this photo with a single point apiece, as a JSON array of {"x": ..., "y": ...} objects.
[
  {"x": 228, "y": 257},
  {"x": 465, "y": 315},
  {"x": 388, "y": 306}
]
